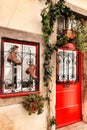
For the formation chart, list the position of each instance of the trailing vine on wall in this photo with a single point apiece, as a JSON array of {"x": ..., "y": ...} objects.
[{"x": 49, "y": 16}]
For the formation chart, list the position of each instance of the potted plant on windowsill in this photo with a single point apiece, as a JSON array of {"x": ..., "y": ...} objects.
[
  {"x": 33, "y": 103},
  {"x": 75, "y": 38}
]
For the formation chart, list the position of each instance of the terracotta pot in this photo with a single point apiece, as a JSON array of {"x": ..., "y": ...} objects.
[
  {"x": 69, "y": 33},
  {"x": 70, "y": 46}
]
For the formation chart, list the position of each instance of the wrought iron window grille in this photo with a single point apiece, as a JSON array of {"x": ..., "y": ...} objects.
[{"x": 19, "y": 71}]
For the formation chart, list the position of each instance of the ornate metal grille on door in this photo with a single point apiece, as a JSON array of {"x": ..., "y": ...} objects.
[{"x": 67, "y": 66}]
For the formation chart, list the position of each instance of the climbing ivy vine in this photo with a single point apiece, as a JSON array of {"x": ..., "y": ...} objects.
[{"x": 49, "y": 16}]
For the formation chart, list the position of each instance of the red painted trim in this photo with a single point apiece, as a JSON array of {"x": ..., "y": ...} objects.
[
  {"x": 2, "y": 63},
  {"x": 73, "y": 115},
  {"x": 17, "y": 94},
  {"x": 80, "y": 78},
  {"x": 69, "y": 46},
  {"x": 15, "y": 41},
  {"x": 37, "y": 65}
]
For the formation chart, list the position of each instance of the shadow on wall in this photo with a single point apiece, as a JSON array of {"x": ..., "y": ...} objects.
[{"x": 6, "y": 123}]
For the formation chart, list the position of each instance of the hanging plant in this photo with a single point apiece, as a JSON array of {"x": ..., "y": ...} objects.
[
  {"x": 33, "y": 103},
  {"x": 81, "y": 38}
]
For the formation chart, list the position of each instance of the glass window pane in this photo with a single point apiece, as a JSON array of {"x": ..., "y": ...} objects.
[
  {"x": 66, "y": 65},
  {"x": 19, "y": 66}
]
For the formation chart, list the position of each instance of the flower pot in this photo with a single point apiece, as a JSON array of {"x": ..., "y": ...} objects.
[{"x": 69, "y": 33}]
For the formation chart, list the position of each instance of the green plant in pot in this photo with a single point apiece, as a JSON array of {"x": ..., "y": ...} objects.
[
  {"x": 81, "y": 36},
  {"x": 66, "y": 39},
  {"x": 68, "y": 31},
  {"x": 33, "y": 103}
]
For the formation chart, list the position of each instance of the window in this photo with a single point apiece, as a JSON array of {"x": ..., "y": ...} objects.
[
  {"x": 20, "y": 66},
  {"x": 67, "y": 66}
]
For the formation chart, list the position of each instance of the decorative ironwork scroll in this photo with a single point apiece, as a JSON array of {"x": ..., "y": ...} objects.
[
  {"x": 67, "y": 66},
  {"x": 20, "y": 66}
]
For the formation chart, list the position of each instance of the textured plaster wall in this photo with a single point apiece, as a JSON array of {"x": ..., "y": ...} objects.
[
  {"x": 80, "y": 3},
  {"x": 25, "y": 15},
  {"x": 21, "y": 14},
  {"x": 14, "y": 117},
  {"x": 84, "y": 87}
]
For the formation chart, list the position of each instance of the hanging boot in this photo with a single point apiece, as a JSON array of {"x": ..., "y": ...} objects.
[
  {"x": 13, "y": 58},
  {"x": 31, "y": 70}
]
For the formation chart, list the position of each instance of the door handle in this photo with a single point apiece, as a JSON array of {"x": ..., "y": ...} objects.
[{"x": 66, "y": 85}]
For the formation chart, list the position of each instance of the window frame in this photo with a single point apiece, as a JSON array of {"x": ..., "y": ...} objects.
[
  {"x": 77, "y": 68},
  {"x": 21, "y": 42}
]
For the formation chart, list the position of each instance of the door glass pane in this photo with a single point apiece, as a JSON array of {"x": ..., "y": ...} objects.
[{"x": 66, "y": 65}]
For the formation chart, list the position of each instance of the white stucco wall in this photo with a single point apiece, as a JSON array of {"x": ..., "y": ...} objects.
[
  {"x": 80, "y": 3},
  {"x": 21, "y": 14},
  {"x": 25, "y": 15},
  {"x": 14, "y": 117}
]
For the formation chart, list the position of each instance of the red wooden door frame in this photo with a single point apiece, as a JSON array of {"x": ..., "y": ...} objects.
[{"x": 68, "y": 101}]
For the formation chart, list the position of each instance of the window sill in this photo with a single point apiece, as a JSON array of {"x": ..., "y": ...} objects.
[{"x": 17, "y": 94}]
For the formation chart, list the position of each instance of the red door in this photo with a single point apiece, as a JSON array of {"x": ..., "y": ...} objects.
[{"x": 68, "y": 87}]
